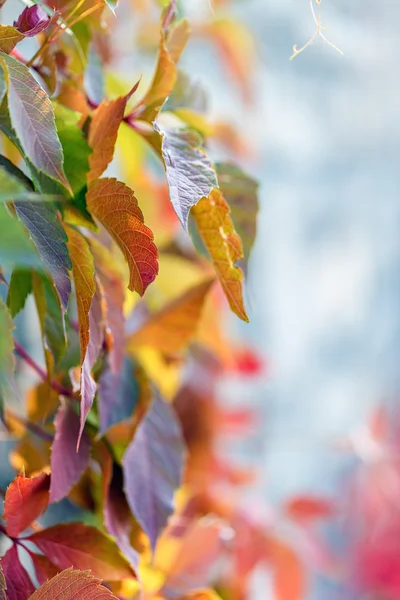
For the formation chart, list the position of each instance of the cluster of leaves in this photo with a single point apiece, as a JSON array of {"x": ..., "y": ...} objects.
[{"x": 101, "y": 430}]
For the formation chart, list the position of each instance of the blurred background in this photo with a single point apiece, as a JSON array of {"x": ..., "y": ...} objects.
[{"x": 316, "y": 397}]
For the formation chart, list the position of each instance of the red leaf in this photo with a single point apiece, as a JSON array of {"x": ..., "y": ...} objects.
[
  {"x": 32, "y": 21},
  {"x": 73, "y": 585},
  {"x": 83, "y": 547},
  {"x": 67, "y": 465},
  {"x": 115, "y": 206},
  {"x": 18, "y": 584},
  {"x": 26, "y": 498}
]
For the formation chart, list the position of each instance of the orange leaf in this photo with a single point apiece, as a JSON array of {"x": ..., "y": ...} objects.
[
  {"x": 214, "y": 224},
  {"x": 289, "y": 579},
  {"x": 171, "y": 46},
  {"x": 103, "y": 132},
  {"x": 71, "y": 585},
  {"x": 171, "y": 329},
  {"x": 26, "y": 498},
  {"x": 115, "y": 206},
  {"x": 85, "y": 288},
  {"x": 83, "y": 547}
]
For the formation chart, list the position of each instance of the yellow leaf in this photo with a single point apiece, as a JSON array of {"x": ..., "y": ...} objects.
[
  {"x": 9, "y": 38},
  {"x": 115, "y": 206},
  {"x": 171, "y": 329},
  {"x": 214, "y": 224}
]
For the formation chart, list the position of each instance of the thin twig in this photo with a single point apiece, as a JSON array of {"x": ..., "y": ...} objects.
[{"x": 320, "y": 28}]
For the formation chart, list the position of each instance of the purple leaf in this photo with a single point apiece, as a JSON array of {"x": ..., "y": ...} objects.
[
  {"x": 118, "y": 395},
  {"x": 18, "y": 584},
  {"x": 152, "y": 467},
  {"x": 32, "y": 21},
  {"x": 67, "y": 465},
  {"x": 189, "y": 171},
  {"x": 118, "y": 517},
  {"x": 32, "y": 118},
  {"x": 50, "y": 239}
]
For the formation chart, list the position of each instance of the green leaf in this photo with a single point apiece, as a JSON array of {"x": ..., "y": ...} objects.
[
  {"x": 32, "y": 118},
  {"x": 189, "y": 171},
  {"x": 241, "y": 193},
  {"x": 75, "y": 147},
  {"x": 3, "y": 85},
  {"x": 50, "y": 239},
  {"x": 7, "y": 360},
  {"x": 19, "y": 290}
]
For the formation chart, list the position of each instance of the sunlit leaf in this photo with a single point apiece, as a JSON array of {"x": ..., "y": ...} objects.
[
  {"x": 103, "y": 131},
  {"x": 67, "y": 464},
  {"x": 3, "y": 585},
  {"x": 83, "y": 547},
  {"x": 26, "y": 498},
  {"x": 47, "y": 234},
  {"x": 9, "y": 38},
  {"x": 214, "y": 224},
  {"x": 189, "y": 171},
  {"x": 115, "y": 206},
  {"x": 153, "y": 466},
  {"x": 241, "y": 193},
  {"x": 171, "y": 329},
  {"x": 32, "y": 118},
  {"x": 18, "y": 583},
  {"x": 73, "y": 585},
  {"x": 19, "y": 290}
]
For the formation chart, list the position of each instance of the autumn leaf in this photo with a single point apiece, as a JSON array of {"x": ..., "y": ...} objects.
[
  {"x": 153, "y": 466},
  {"x": 115, "y": 206},
  {"x": 173, "y": 38},
  {"x": 171, "y": 329},
  {"x": 9, "y": 38},
  {"x": 288, "y": 573},
  {"x": 71, "y": 585},
  {"x": 214, "y": 224},
  {"x": 241, "y": 193},
  {"x": 85, "y": 288},
  {"x": 103, "y": 131},
  {"x": 189, "y": 171},
  {"x": 111, "y": 279},
  {"x": 18, "y": 583},
  {"x": 67, "y": 464},
  {"x": 305, "y": 509},
  {"x": 32, "y": 118},
  {"x": 26, "y": 498},
  {"x": 83, "y": 547}
]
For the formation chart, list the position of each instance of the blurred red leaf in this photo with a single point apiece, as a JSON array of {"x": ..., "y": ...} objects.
[
  {"x": 26, "y": 498},
  {"x": 307, "y": 508},
  {"x": 83, "y": 547},
  {"x": 44, "y": 568}
]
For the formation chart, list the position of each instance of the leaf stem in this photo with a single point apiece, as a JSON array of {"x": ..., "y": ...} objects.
[{"x": 22, "y": 353}]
